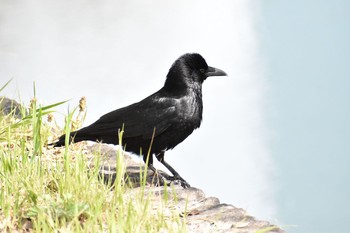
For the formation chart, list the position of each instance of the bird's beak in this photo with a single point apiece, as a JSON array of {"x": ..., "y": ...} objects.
[{"x": 212, "y": 71}]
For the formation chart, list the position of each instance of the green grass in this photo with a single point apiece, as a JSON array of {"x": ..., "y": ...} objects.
[{"x": 57, "y": 190}]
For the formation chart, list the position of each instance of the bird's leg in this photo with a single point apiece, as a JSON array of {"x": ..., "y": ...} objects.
[
  {"x": 176, "y": 175},
  {"x": 160, "y": 177}
]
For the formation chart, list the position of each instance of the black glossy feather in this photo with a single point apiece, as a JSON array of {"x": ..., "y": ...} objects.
[{"x": 172, "y": 113}]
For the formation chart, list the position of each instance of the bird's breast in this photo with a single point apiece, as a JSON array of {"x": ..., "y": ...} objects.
[{"x": 190, "y": 110}]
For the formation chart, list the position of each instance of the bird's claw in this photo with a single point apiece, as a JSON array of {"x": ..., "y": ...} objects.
[
  {"x": 177, "y": 180},
  {"x": 183, "y": 183},
  {"x": 162, "y": 181}
]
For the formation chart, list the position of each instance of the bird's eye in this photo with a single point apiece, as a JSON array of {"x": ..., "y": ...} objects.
[{"x": 202, "y": 71}]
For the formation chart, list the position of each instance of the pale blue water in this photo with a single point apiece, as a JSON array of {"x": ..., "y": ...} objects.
[{"x": 306, "y": 44}]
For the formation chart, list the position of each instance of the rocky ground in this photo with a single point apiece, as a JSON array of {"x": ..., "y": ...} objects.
[{"x": 203, "y": 214}]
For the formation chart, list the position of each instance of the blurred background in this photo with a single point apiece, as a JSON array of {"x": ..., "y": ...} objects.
[{"x": 275, "y": 136}]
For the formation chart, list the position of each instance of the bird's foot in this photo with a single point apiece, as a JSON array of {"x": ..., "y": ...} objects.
[
  {"x": 179, "y": 180},
  {"x": 183, "y": 183},
  {"x": 160, "y": 180},
  {"x": 176, "y": 180}
]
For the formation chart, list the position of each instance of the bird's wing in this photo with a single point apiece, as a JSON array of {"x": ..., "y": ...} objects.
[{"x": 139, "y": 119}]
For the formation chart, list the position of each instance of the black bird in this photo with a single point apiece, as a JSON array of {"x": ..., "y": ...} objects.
[{"x": 168, "y": 116}]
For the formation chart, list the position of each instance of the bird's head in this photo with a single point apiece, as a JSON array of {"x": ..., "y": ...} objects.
[{"x": 190, "y": 70}]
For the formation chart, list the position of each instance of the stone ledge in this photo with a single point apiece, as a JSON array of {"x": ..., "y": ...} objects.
[{"x": 203, "y": 214}]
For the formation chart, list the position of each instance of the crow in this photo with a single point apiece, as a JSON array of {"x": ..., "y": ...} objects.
[{"x": 159, "y": 122}]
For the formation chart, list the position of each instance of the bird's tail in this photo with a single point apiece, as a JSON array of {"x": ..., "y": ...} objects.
[
  {"x": 61, "y": 142},
  {"x": 75, "y": 136}
]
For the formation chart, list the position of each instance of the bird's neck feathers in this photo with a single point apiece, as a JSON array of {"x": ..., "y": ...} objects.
[{"x": 181, "y": 80}]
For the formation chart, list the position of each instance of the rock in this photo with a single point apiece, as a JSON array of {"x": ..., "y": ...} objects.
[
  {"x": 201, "y": 213},
  {"x": 10, "y": 106}
]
